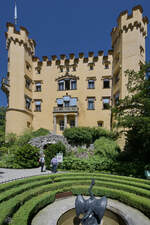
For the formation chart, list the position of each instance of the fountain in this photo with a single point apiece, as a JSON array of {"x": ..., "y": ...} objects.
[
  {"x": 85, "y": 210},
  {"x": 90, "y": 212}
]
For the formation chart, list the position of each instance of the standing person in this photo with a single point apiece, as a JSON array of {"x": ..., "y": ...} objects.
[
  {"x": 54, "y": 163},
  {"x": 42, "y": 162}
]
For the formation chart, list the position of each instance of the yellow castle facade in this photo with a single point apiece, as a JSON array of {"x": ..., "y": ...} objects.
[{"x": 66, "y": 91}]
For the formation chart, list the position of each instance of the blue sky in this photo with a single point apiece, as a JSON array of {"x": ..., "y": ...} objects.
[{"x": 65, "y": 26}]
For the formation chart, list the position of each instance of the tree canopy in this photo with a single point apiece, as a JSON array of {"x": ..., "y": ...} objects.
[{"x": 133, "y": 113}]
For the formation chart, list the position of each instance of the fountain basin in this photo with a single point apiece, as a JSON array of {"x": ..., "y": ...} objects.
[
  {"x": 110, "y": 218},
  {"x": 51, "y": 213}
]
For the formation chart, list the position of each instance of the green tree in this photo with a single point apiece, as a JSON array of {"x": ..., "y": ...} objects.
[
  {"x": 52, "y": 150},
  {"x": 107, "y": 148},
  {"x": 2, "y": 125},
  {"x": 26, "y": 156},
  {"x": 133, "y": 113}
]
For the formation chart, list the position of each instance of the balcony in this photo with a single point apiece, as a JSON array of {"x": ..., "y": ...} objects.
[
  {"x": 65, "y": 109},
  {"x": 5, "y": 85}
]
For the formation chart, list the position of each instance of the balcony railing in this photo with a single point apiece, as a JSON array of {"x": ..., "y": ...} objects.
[
  {"x": 65, "y": 109},
  {"x": 5, "y": 85}
]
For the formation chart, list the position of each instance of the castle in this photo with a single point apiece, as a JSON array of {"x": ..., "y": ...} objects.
[{"x": 68, "y": 91}]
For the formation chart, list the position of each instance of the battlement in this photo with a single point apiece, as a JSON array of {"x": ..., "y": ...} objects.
[
  {"x": 70, "y": 60},
  {"x": 128, "y": 21},
  {"x": 21, "y": 37}
]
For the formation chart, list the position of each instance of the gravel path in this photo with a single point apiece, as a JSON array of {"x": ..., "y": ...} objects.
[{"x": 7, "y": 175}]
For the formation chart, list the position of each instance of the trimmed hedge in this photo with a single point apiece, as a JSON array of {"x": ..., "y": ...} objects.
[
  {"x": 105, "y": 179},
  {"x": 22, "y": 199},
  {"x": 31, "y": 207},
  {"x": 18, "y": 190}
]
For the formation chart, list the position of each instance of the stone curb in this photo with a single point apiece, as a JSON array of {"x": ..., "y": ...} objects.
[{"x": 130, "y": 215}]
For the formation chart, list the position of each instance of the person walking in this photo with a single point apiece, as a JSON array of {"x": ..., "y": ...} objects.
[
  {"x": 42, "y": 162},
  {"x": 54, "y": 163}
]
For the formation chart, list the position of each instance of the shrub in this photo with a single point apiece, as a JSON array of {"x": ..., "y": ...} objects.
[
  {"x": 87, "y": 135},
  {"x": 7, "y": 161},
  {"x": 92, "y": 164},
  {"x": 98, "y": 132},
  {"x": 106, "y": 148},
  {"x": 52, "y": 150},
  {"x": 40, "y": 132},
  {"x": 3, "y": 150},
  {"x": 24, "y": 139},
  {"x": 73, "y": 163},
  {"x": 78, "y": 135},
  {"x": 26, "y": 156},
  {"x": 11, "y": 138}
]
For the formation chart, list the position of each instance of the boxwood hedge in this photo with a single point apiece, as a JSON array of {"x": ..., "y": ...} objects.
[{"x": 20, "y": 200}]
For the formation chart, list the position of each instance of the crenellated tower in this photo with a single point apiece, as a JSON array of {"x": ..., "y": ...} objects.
[
  {"x": 20, "y": 52},
  {"x": 128, "y": 43}
]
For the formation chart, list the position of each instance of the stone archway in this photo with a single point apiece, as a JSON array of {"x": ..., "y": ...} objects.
[{"x": 42, "y": 141}]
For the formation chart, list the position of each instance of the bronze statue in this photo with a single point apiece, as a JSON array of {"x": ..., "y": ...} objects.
[{"x": 92, "y": 209}]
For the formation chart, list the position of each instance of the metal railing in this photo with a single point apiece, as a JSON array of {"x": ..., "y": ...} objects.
[{"x": 65, "y": 109}]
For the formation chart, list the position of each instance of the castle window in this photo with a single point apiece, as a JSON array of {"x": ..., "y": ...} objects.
[
  {"x": 73, "y": 102},
  {"x": 28, "y": 83},
  {"x": 37, "y": 105},
  {"x": 91, "y": 84},
  {"x": 100, "y": 123},
  {"x": 61, "y": 69},
  {"x": 38, "y": 70},
  {"x": 73, "y": 84},
  {"x": 27, "y": 102},
  {"x": 116, "y": 98},
  {"x": 66, "y": 100},
  {"x": 117, "y": 58},
  {"x": 106, "y": 83},
  {"x": 72, "y": 123},
  {"x": 91, "y": 67},
  {"x": 60, "y": 102},
  {"x": 106, "y": 66},
  {"x": 38, "y": 86},
  {"x": 116, "y": 78},
  {"x": 28, "y": 66},
  {"x": 28, "y": 124},
  {"x": 106, "y": 102},
  {"x": 141, "y": 50},
  {"x": 67, "y": 84},
  {"x": 61, "y": 85},
  {"x": 61, "y": 125},
  {"x": 74, "y": 68},
  {"x": 91, "y": 103},
  {"x": 66, "y": 103}
]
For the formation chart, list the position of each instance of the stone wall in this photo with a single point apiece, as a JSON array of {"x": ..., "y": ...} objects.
[{"x": 42, "y": 141}]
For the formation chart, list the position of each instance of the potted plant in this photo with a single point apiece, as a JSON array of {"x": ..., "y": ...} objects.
[{"x": 147, "y": 171}]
